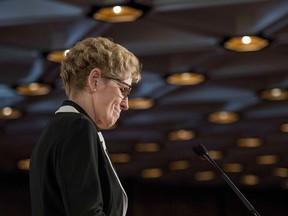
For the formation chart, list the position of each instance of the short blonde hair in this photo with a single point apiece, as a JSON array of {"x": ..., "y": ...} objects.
[{"x": 112, "y": 59}]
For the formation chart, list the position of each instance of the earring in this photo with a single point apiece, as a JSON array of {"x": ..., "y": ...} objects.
[{"x": 95, "y": 86}]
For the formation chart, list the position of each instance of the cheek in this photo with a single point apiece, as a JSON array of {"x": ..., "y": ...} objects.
[
  {"x": 111, "y": 104},
  {"x": 110, "y": 100}
]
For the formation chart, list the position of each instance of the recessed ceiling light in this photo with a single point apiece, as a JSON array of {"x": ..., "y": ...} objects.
[
  {"x": 223, "y": 117},
  {"x": 246, "y": 43},
  {"x": 215, "y": 154},
  {"x": 249, "y": 142},
  {"x": 181, "y": 135},
  {"x": 204, "y": 176},
  {"x": 250, "y": 180},
  {"x": 151, "y": 173},
  {"x": 147, "y": 147},
  {"x": 274, "y": 94},
  {"x": 125, "y": 12},
  {"x": 140, "y": 103},
  {"x": 232, "y": 167},
  {"x": 267, "y": 159},
  {"x": 56, "y": 56},
  {"x": 23, "y": 164},
  {"x": 179, "y": 165},
  {"x": 284, "y": 128},
  {"x": 185, "y": 79},
  {"x": 10, "y": 113},
  {"x": 120, "y": 158},
  {"x": 33, "y": 89},
  {"x": 280, "y": 172}
]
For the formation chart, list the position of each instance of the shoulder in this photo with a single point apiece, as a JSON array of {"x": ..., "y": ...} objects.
[
  {"x": 75, "y": 119},
  {"x": 77, "y": 133}
]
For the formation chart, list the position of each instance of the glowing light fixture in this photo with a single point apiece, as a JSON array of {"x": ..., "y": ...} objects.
[
  {"x": 185, "y": 78},
  {"x": 246, "y": 43},
  {"x": 10, "y": 113},
  {"x": 249, "y": 142},
  {"x": 151, "y": 173},
  {"x": 120, "y": 158},
  {"x": 122, "y": 12},
  {"x": 284, "y": 128},
  {"x": 33, "y": 89},
  {"x": 204, "y": 176},
  {"x": 181, "y": 135},
  {"x": 140, "y": 103},
  {"x": 179, "y": 165},
  {"x": 215, "y": 154},
  {"x": 147, "y": 147},
  {"x": 267, "y": 159},
  {"x": 250, "y": 180},
  {"x": 23, "y": 164},
  {"x": 274, "y": 94},
  {"x": 223, "y": 117},
  {"x": 280, "y": 172},
  {"x": 57, "y": 56}
]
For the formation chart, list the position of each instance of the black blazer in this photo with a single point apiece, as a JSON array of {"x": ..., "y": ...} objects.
[{"x": 70, "y": 173}]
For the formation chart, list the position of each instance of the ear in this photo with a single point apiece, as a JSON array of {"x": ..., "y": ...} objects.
[{"x": 92, "y": 79}]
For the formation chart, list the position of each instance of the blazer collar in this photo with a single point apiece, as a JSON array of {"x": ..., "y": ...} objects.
[{"x": 70, "y": 106}]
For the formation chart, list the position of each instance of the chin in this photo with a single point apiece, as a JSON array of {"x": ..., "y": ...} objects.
[{"x": 108, "y": 125}]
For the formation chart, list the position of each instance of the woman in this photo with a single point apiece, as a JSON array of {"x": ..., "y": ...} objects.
[{"x": 70, "y": 170}]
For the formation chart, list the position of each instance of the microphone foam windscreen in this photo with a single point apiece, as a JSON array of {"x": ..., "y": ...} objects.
[{"x": 200, "y": 149}]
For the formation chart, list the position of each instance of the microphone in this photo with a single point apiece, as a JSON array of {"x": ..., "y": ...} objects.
[{"x": 202, "y": 151}]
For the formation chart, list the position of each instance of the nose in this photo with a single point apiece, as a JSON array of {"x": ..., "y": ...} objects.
[{"x": 124, "y": 104}]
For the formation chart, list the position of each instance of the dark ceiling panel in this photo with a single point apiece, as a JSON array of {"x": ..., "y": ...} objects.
[{"x": 173, "y": 37}]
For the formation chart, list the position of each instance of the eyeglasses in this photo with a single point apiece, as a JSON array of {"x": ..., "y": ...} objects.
[{"x": 125, "y": 91}]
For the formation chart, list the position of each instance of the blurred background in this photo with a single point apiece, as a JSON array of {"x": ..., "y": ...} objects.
[{"x": 215, "y": 72}]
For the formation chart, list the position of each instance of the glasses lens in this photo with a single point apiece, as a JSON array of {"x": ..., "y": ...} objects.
[{"x": 125, "y": 91}]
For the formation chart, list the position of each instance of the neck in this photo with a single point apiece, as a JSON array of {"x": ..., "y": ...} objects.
[{"x": 84, "y": 100}]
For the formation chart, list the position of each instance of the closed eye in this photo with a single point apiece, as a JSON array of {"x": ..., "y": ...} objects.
[{"x": 125, "y": 91}]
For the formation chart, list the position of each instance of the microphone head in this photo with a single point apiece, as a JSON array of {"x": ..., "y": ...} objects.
[{"x": 200, "y": 150}]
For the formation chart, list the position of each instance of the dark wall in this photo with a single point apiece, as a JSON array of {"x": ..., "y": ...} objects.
[
  {"x": 155, "y": 199},
  {"x": 14, "y": 194}
]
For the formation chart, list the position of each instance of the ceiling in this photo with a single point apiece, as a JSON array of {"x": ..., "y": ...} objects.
[{"x": 174, "y": 36}]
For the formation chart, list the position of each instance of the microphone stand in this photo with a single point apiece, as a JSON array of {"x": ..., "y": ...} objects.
[{"x": 202, "y": 151}]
